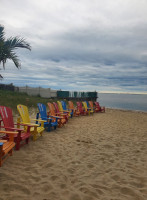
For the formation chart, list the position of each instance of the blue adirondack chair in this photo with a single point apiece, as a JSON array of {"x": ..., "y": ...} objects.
[
  {"x": 87, "y": 104},
  {"x": 43, "y": 114},
  {"x": 89, "y": 108},
  {"x": 65, "y": 108}
]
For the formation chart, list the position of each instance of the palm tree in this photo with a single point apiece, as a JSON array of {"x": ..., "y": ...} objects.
[{"x": 7, "y": 48}]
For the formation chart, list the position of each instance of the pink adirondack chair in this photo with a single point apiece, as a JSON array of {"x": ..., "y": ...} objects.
[
  {"x": 98, "y": 108},
  {"x": 8, "y": 125}
]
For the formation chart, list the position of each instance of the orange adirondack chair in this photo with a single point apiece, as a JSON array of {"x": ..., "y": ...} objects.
[
  {"x": 75, "y": 110},
  {"x": 98, "y": 108},
  {"x": 91, "y": 106},
  {"x": 6, "y": 146},
  {"x": 54, "y": 115},
  {"x": 8, "y": 124},
  {"x": 65, "y": 115}
]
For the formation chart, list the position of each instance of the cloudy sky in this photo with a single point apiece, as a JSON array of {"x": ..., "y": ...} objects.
[{"x": 78, "y": 44}]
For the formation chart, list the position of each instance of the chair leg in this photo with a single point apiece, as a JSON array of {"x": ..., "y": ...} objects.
[
  {"x": 49, "y": 128},
  {"x": 1, "y": 146},
  {"x": 17, "y": 146},
  {"x": 35, "y": 134},
  {"x": 17, "y": 141},
  {"x": 11, "y": 152},
  {"x": 0, "y": 162},
  {"x": 27, "y": 140}
]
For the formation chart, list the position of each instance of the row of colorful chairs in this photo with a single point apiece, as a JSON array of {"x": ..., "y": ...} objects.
[{"x": 18, "y": 134}]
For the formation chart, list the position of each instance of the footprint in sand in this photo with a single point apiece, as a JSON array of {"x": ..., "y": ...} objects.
[
  {"x": 75, "y": 197},
  {"x": 90, "y": 166},
  {"x": 16, "y": 187},
  {"x": 46, "y": 187},
  {"x": 89, "y": 192},
  {"x": 53, "y": 178},
  {"x": 130, "y": 192},
  {"x": 48, "y": 165}
]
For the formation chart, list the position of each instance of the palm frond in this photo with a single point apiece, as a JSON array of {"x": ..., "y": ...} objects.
[
  {"x": 16, "y": 42},
  {"x": 8, "y": 46},
  {"x": 2, "y": 33},
  {"x": 15, "y": 59}
]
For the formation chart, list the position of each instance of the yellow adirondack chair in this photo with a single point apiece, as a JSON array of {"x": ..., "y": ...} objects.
[
  {"x": 35, "y": 130},
  {"x": 87, "y": 110},
  {"x": 61, "y": 109}
]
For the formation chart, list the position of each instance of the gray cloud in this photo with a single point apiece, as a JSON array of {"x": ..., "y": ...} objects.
[{"x": 79, "y": 45}]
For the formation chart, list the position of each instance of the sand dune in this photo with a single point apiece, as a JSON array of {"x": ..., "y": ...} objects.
[{"x": 103, "y": 156}]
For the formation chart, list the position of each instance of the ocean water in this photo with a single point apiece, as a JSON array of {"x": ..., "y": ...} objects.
[{"x": 124, "y": 101}]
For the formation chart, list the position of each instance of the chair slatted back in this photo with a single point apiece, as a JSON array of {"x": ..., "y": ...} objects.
[
  {"x": 24, "y": 113},
  {"x": 56, "y": 107},
  {"x": 91, "y": 106},
  {"x": 42, "y": 111},
  {"x": 79, "y": 106},
  {"x": 60, "y": 106},
  {"x": 70, "y": 105},
  {"x": 7, "y": 117},
  {"x": 63, "y": 105},
  {"x": 85, "y": 106},
  {"x": 51, "y": 109}
]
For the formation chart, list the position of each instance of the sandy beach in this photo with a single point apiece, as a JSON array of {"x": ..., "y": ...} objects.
[{"x": 97, "y": 157}]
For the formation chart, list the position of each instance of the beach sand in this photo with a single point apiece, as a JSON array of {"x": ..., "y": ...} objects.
[{"x": 103, "y": 156}]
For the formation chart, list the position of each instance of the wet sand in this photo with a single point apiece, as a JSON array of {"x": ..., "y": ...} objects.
[{"x": 103, "y": 156}]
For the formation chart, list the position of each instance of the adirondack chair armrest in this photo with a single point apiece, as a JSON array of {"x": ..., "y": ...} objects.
[
  {"x": 39, "y": 120},
  {"x": 3, "y": 141},
  {"x": 66, "y": 111},
  {"x": 48, "y": 118},
  {"x": 29, "y": 124},
  {"x": 63, "y": 114},
  {"x": 57, "y": 117},
  {"x": 17, "y": 129},
  {"x": 10, "y": 133}
]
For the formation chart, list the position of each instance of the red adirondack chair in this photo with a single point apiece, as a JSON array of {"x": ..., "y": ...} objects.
[
  {"x": 81, "y": 109},
  {"x": 8, "y": 125},
  {"x": 98, "y": 108}
]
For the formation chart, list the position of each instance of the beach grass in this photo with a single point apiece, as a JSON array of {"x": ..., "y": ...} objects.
[{"x": 12, "y": 99}]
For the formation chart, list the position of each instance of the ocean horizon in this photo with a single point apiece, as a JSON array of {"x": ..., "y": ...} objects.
[{"x": 137, "y": 102}]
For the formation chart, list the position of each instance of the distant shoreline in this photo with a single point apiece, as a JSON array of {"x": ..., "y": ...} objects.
[
  {"x": 126, "y": 110},
  {"x": 122, "y": 93}
]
